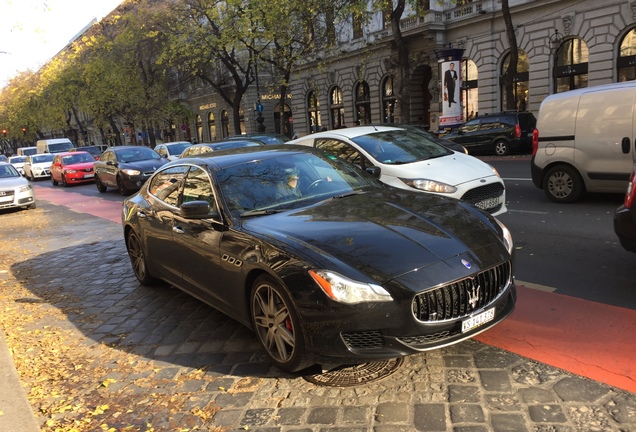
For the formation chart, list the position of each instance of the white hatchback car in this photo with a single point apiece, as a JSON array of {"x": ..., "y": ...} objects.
[
  {"x": 409, "y": 159},
  {"x": 15, "y": 191},
  {"x": 18, "y": 163},
  {"x": 38, "y": 166},
  {"x": 172, "y": 150}
]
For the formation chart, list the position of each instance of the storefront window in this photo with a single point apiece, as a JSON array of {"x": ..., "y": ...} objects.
[
  {"x": 520, "y": 83},
  {"x": 570, "y": 71},
  {"x": 363, "y": 104},
  {"x": 336, "y": 107},
  {"x": 211, "y": 127},
  {"x": 199, "y": 125},
  {"x": 388, "y": 101},
  {"x": 626, "y": 62},
  {"x": 313, "y": 112},
  {"x": 225, "y": 124},
  {"x": 470, "y": 91}
]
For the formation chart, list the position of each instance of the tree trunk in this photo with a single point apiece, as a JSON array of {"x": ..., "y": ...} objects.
[{"x": 401, "y": 79}]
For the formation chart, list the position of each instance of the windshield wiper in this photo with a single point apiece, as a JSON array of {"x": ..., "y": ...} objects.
[
  {"x": 346, "y": 194},
  {"x": 251, "y": 213}
]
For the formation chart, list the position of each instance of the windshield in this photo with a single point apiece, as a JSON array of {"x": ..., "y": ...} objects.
[
  {"x": 42, "y": 158},
  {"x": 77, "y": 158},
  {"x": 17, "y": 159},
  {"x": 7, "y": 171},
  {"x": 177, "y": 149},
  {"x": 60, "y": 147},
  {"x": 400, "y": 146},
  {"x": 289, "y": 181},
  {"x": 136, "y": 154}
]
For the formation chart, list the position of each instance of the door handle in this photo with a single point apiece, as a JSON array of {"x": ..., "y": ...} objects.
[
  {"x": 142, "y": 214},
  {"x": 625, "y": 145},
  {"x": 178, "y": 230}
]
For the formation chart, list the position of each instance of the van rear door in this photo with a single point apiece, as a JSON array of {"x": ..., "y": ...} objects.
[{"x": 604, "y": 119}]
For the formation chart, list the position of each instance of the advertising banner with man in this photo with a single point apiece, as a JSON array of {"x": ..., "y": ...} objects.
[{"x": 450, "y": 71}]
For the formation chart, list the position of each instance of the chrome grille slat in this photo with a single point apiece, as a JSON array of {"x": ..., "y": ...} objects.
[{"x": 453, "y": 300}]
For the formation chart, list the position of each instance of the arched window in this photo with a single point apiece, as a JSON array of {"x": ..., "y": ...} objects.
[
  {"x": 470, "y": 91},
  {"x": 570, "y": 70},
  {"x": 225, "y": 124},
  {"x": 388, "y": 100},
  {"x": 199, "y": 125},
  {"x": 211, "y": 127},
  {"x": 520, "y": 83},
  {"x": 363, "y": 103},
  {"x": 336, "y": 107},
  {"x": 626, "y": 62},
  {"x": 313, "y": 112}
]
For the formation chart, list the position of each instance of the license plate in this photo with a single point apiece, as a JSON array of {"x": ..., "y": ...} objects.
[
  {"x": 89, "y": 175},
  {"x": 489, "y": 203},
  {"x": 6, "y": 198},
  {"x": 477, "y": 320}
]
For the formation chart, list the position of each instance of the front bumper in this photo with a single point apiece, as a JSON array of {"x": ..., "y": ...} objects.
[
  {"x": 15, "y": 198},
  {"x": 134, "y": 183},
  {"x": 625, "y": 227}
]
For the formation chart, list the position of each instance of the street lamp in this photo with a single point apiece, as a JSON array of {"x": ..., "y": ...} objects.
[{"x": 555, "y": 41}]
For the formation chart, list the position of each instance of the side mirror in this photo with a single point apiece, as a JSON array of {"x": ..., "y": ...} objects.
[
  {"x": 197, "y": 210},
  {"x": 374, "y": 171}
]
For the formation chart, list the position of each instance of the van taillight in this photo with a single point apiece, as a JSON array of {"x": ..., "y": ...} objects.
[
  {"x": 517, "y": 131},
  {"x": 630, "y": 195},
  {"x": 535, "y": 141}
]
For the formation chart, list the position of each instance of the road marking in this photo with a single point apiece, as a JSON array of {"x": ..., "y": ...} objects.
[
  {"x": 535, "y": 286},
  {"x": 527, "y": 211}
]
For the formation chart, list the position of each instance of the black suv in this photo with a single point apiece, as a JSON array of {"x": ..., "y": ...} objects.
[{"x": 502, "y": 133}]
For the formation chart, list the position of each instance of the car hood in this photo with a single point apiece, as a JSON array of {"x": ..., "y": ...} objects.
[
  {"x": 387, "y": 234},
  {"x": 42, "y": 164},
  {"x": 12, "y": 182},
  {"x": 144, "y": 165},
  {"x": 79, "y": 166},
  {"x": 454, "y": 169}
]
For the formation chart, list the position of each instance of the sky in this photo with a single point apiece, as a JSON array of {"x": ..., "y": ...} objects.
[{"x": 34, "y": 31}]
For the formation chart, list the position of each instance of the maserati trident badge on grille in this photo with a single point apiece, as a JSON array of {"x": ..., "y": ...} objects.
[
  {"x": 473, "y": 294},
  {"x": 466, "y": 264}
]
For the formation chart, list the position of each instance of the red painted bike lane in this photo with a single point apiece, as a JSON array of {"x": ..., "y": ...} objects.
[{"x": 590, "y": 339}]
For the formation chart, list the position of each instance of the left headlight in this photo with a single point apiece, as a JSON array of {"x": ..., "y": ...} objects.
[
  {"x": 430, "y": 186},
  {"x": 507, "y": 237},
  {"x": 25, "y": 188},
  {"x": 345, "y": 290},
  {"x": 131, "y": 172}
]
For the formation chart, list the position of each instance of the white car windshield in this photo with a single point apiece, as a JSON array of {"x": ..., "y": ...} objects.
[
  {"x": 42, "y": 158},
  {"x": 400, "y": 146},
  {"x": 8, "y": 171}
]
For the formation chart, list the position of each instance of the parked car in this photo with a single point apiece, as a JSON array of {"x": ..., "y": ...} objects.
[
  {"x": 15, "y": 191},
  {"x": 582, "y": 145},
  {"x": 18, "y": 163},
  {"x": 198, "y": 149},
  {"x": 625, "y": 216},
  {"x": 265, "y": 138},
  {"x": 344, "y": 271},
  {"x": 126, "y": 168},
  {"x": 94, "y": 151},
  {"x": 27, "y": 151},
  {"x": 72, "y": 168},
  {"x": 38, "y": 166},
  {"x": 172, "y": 150},
  {"x": 409, "y": 160},
  {"x": 499, "y": 133},
  {"x": 3, "y": 158}
]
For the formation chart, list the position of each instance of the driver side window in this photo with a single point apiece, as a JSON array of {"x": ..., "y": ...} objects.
[
  {"x": 198, "y": 188},
  {"x": 344, "y": 151},
  {"x": 167, "y": 184}
]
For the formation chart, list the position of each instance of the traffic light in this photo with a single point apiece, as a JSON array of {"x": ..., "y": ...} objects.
[
  {"x": 24, "y": 131},
  {"x": 4, "y": 132}
]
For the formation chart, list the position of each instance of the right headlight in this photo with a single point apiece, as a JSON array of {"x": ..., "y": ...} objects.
[
  {"x": 507, "y": 237},
  {"x": 345, "y": 290}
]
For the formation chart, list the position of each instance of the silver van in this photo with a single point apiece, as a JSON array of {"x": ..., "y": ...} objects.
[{"x": 585, "y": 141}]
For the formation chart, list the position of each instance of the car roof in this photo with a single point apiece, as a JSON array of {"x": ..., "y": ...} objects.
[
  {"x": 352, "y": 132},
  {"x": 225, "y": 158}
]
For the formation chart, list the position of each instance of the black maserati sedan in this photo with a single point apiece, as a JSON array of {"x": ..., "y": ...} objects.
[{"x": 322, "y": 261}]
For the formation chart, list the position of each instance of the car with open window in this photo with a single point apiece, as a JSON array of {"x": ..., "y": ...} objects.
[{"x": 326, "y": 264}]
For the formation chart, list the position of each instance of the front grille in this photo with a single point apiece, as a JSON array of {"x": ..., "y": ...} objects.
[
  {"x": 461, "y": 298},
  {"x": 481, "y": 193},
  {"x": 7, "y": 193},
  {"x": 363, "y": 340}
]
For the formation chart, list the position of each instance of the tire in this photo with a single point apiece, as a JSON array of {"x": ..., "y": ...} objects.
[
  {"x": 32, "y": 206},
  {"x": 563, "y": 184},
  {"x": 138, "y": 259},
  {"x": 55, "y": 183},
  {"x": 276, "y": 324},
  {"x": 121, "y": 187},
  {"x": 501, "y": 148},
  {"x": 64, "y": 182},
  {"x": 100, "y": 186}
]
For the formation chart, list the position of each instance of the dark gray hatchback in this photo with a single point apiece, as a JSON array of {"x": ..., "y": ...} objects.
[{"x": 499, "y": 133}]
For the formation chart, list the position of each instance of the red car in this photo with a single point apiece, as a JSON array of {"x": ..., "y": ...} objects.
[{"x": 70, "y": 168}]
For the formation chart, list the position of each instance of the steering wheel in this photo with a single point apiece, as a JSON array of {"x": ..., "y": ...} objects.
[{"x": 314, "y": 184}]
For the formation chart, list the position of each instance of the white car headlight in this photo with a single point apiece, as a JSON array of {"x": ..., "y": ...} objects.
[
  {"x": 494, "y": 170},
  {"x": 24, "y": 188},
  {"x": 345, "y": 290},
  {"x": 507, "y": 237},
  {"x": 430, "y": 186},
  {"x": 131, "y": 172}
]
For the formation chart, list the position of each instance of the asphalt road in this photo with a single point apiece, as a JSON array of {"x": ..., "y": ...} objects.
[{"x": 570, "y": 249}]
